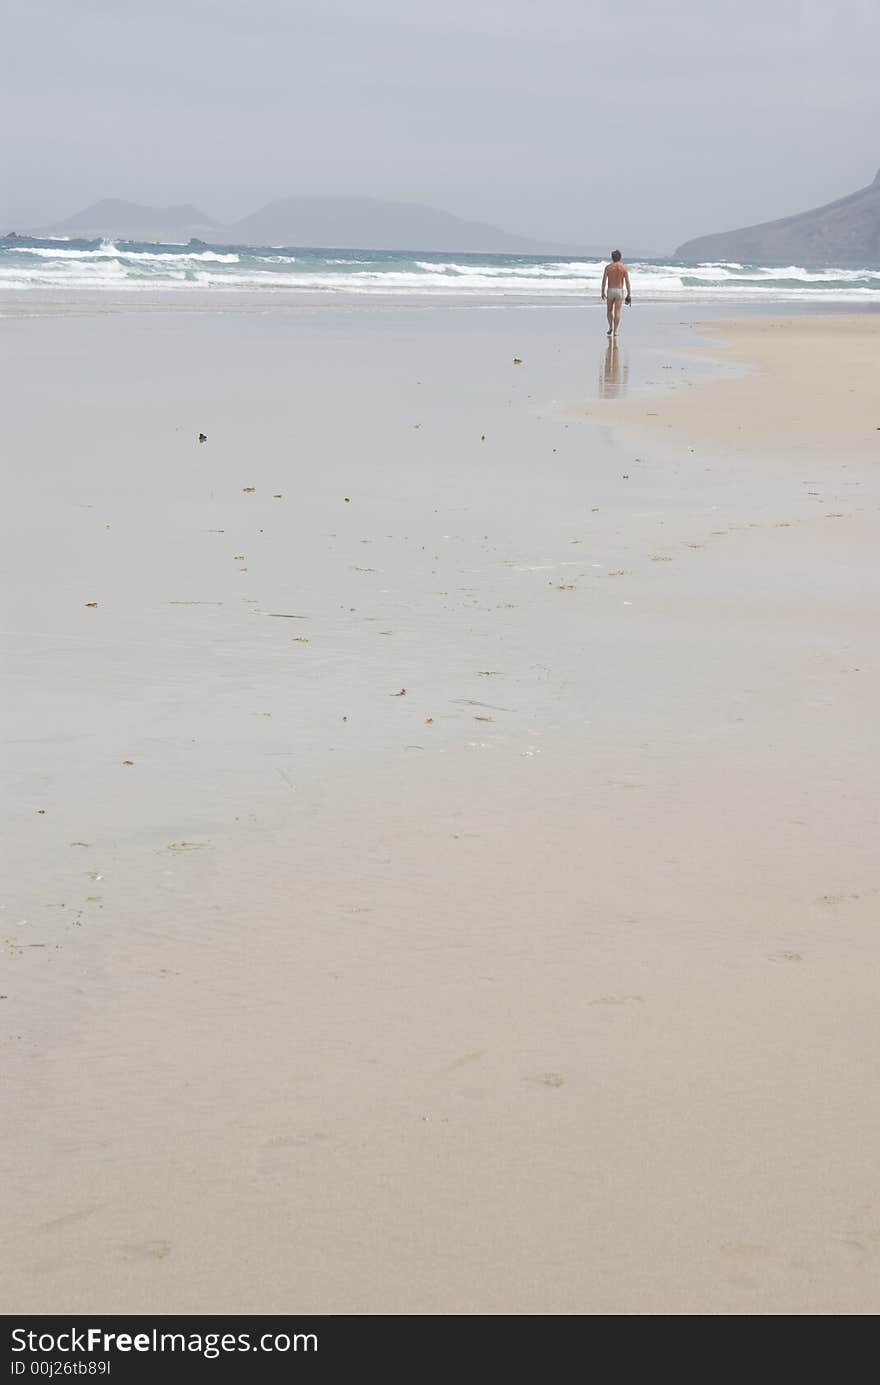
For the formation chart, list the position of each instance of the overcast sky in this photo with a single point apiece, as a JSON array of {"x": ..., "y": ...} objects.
[{"x": 641, "y": 123}]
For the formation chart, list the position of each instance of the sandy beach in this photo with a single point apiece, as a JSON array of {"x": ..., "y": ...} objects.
[{"x": 440, "y": 835}]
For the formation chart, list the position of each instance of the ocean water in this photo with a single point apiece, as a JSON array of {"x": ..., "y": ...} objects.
[{"x": 27, "y": 263}]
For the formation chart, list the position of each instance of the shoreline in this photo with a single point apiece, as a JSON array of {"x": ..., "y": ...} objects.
[
  {"x": 791, "y": 401},
  {"x": 23, "y": 303},
  {"x": 541, "y": 987}
]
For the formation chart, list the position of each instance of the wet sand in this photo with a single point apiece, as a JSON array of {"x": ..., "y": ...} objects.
[{"x": 542, "y": 986}]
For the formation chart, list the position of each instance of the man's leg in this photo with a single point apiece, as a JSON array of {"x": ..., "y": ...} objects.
[
  {"x": 610, "y": 307},
  {"x": 618, "y": 304}
]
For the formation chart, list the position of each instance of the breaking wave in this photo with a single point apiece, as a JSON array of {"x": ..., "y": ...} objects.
[{"x": 133, "y": 265}]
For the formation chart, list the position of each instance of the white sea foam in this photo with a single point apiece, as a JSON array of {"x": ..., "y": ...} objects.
[
  {"x": 132, "y": 266},
  {"x": 782, "y": 274},
  {"x": 552, "y": 269},
  {"x": 42, "y": 253},
  {"x": 108, "y": 251},
  {"x": 196, "y": 256}
]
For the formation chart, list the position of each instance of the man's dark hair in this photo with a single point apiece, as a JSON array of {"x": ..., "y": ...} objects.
[{"x": 615, "y": 255}]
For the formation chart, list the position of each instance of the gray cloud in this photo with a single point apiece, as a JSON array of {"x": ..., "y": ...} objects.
[{"x": 640, "y": 123}]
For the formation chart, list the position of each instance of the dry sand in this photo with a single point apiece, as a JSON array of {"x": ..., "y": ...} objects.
[
  {"x": 545, "y": 987},
  {"x": 811, "y": 390}
]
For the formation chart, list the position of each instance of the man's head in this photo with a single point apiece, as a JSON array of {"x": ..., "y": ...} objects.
[{"x": 615, "y": 255}]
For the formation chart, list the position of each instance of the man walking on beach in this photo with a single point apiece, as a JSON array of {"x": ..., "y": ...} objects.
[{"x": 615, "y": 290}]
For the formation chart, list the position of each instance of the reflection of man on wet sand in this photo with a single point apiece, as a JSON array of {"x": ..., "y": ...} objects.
[
  {"x": 615, "y": 290},
  {"x": 614, "y": 375}
]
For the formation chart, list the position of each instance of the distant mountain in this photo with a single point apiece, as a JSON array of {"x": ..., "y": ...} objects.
[
  {"x": 846, "y": 232},
  {"x": 129, "y": 221},
  {"x": 345, "y": 223},
  {"x": 365, "y": 223}
]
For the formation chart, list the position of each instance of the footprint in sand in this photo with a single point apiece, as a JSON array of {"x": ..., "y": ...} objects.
[
  {"x": 746, "y": 1249},
  {"x": 848, "y": 1248},
  {"x": 295, "y": 1141},
  {"x": 147, "y": 1250},
  {"x": 618, "y": 1000},
  {"x": 860, "y": 1235},
  {"x": 553, "y": 1079},
  {"x": 466, "y": 1058},
  {"x": 785, "y": 957},
  {"x": 70, "y": 1218}
]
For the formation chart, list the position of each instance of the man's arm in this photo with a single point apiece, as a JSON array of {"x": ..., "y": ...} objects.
[
  {"x": 604, "y": 280},
  {"x": 628, "y": 285}
]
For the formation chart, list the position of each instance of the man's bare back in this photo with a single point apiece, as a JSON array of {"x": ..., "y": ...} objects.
[{"x": 615, "y": 290}]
